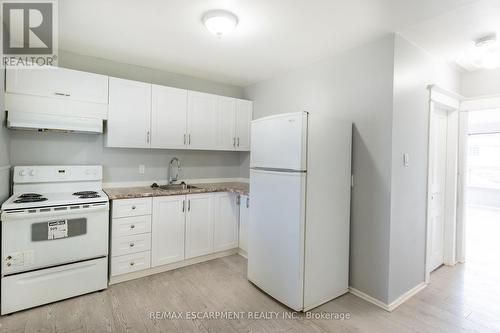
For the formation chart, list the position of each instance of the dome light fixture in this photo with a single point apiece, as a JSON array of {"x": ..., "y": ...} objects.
[
  {"x": 220, "y": 22},
  {"x": 488, "y": 52}
]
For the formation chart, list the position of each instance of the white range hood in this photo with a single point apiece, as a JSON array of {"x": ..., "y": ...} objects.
[
  {"x": 56, "y": 99},
  {"x": 47, "y": 122}
]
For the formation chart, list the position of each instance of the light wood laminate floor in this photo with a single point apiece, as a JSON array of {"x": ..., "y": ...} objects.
[{"x": 457, "y": 300}]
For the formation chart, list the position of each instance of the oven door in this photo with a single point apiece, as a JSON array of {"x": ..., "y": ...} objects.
[{"x": 55, "y": 236}]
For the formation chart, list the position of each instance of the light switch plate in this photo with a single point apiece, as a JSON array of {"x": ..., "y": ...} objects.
[{"x": 406, "y": 160}]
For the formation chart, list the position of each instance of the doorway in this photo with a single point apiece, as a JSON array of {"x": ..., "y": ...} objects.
[
  {"x": 442, "y": 181},
  {"x": 482, "y": 205}
]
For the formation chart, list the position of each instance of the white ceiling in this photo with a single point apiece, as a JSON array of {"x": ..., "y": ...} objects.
[
  {"x": 273, "y": 36},
  {"x": 450, "y": 37}
]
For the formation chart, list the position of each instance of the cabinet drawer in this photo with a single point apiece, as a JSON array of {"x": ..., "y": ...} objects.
[
  {"x": 130, "y": 244},
  {"x": 131, "y": 207},
  {"x": 130, "y": 263},
  {"x": 127, "y": 226}
]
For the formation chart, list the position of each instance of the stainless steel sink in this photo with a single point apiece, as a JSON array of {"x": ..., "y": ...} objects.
[{"x": 177, "y": 187}]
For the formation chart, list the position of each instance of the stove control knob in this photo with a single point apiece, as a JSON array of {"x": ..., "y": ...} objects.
[
  {"x": 32, "y": 173},
  {"x": 22, "y": 173}
]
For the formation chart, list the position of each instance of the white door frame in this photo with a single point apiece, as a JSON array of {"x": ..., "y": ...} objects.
[
  {"x": 467, "y": 106},
  {"x": 443, "y": 99}
]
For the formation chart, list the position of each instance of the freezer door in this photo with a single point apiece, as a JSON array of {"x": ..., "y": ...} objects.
[
  {"x": 276, "y": 235},
  {"x": 279, "y": 142}
]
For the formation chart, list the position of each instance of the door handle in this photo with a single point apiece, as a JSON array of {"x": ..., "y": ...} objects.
[
  {"x": 189, "y": 205},
  {"x": 148, "y": 135},
  {"x": 62, "y": 94},
  {"x": 184, "y": 138},
  {"x": 248, "y": 202},
  {"x": 183, "y": 205},
  {"x": 234, "y": 142},
  {"x": 238, "y": 142},
  {"x": 238, "y": 200}
]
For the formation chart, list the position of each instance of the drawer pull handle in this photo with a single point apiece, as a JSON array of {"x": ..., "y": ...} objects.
[
  {"x": 132, "y": 263},
  {"x": 132, "y": 244},
  {"x": 133, "y": 207},
  {"x": 132, "y": 226}
]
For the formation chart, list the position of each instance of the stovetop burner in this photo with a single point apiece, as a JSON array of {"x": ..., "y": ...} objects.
[
  {"x": 89, "y": 196},
  {"x": 30, "y": 195},
  {"x": 29, "y": 199},
  {"x": 84, "y": 193}
]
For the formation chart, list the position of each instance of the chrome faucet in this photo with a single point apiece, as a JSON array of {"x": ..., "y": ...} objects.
[{"x": 172, "y": 179}]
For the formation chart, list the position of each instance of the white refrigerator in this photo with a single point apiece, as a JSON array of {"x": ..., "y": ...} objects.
[{"x": 300, "y": 181}]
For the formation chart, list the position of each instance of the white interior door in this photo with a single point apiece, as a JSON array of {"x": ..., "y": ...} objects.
[{"x": 438, "y": 146}]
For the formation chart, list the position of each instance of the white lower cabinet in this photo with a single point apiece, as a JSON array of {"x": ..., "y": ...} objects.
[
  {"x": 226, "y": 221},
  {"x": 179, "y": 228},
  {"x": 244, "y": 219},
  {"x": 199, "y": 225},
  {"x": 130, "y": 235},
  {"x": 168, "y": 230}
]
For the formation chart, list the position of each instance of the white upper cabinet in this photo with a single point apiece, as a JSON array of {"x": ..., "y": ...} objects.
[
  {"x": 58, "y": 83},
  {"x": 129, "y": 114},
  {"x": 168, "y": 230},
  {"x": 202, "y": 121},
  {"x": 227, "y": 118},
  {"x": 226, "y": 221},
  {"x": 168, "y": 117},
  {"x": 244, "y": 110}
]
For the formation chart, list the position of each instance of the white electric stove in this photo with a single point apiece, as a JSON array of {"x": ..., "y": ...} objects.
[{"x": 54, "y": 236}]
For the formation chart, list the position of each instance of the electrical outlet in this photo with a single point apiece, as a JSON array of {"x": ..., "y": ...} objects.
[{"x": 142, "y": 169}]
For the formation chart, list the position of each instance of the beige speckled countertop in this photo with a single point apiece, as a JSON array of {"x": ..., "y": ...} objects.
[{"x": 146, "y": 191}]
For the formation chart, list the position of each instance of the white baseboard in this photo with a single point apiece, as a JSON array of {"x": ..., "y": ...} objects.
[
  {"x": 164, "y": 182},
  {"x": 393, "y": 305},
  {"x": 407, "y": 295},
  {"x": 169, "y": 267},
  {"x": 369, "y": 298},
  {"x": 243, "y": 253}
]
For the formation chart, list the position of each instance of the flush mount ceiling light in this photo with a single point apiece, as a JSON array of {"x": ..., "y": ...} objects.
[
  {"x": 220, "y": 22},
  {"x": 487, "y": 55}
]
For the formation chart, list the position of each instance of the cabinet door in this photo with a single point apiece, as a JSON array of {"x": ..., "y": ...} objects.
[
  {"x": 199, "y": 225},
  {"x": 243, "y": 118},
  {"x": 58, "y": 83},
  {"x": 168, "y": 117},
  {"x": 129, "y": 114},
  {"x": 244, "y": 218},
  {"x": 202, "y": 121},
  {"x": 167, "y": 230},
  {"x": 227, "y": 120},
  {"x": 226, "y": 221}
]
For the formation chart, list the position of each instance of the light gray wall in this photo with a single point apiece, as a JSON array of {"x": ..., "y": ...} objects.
[
  {"x": 4, "y": 147},
  {"x": 414, "y": 70},
  {"x": 356, "y": 86},
  {"x": 138, "y": 73},
  {"x": 122, "y": 165},
  {"x": 480, "y": 83}
]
